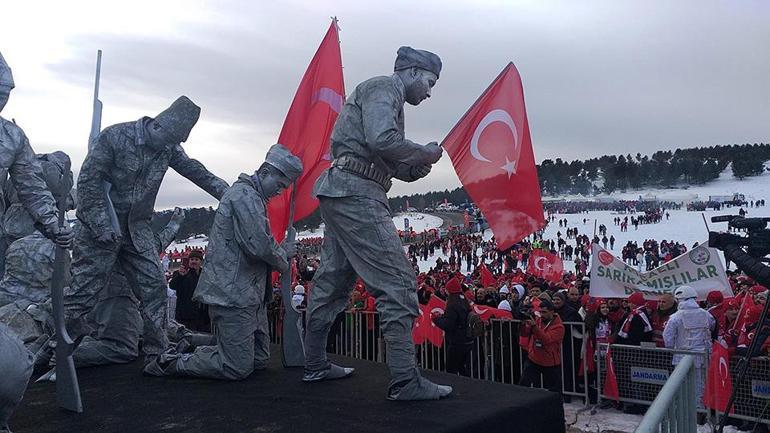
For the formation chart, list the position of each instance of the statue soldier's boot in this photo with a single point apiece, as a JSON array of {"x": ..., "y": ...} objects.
[
  {"x": 164, "y": 364},
  {"x": 333, "y": 372},
  {"x": 418, "y": 388}
]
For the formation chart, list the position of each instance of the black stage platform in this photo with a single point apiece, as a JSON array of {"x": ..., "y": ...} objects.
[{"x": 119, "y": 399}]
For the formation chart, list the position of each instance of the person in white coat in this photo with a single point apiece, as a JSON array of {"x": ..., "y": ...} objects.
[{"x": 690, "y": 329}]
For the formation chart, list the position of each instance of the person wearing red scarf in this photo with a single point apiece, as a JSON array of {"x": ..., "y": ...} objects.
[{"x": 636, "y": 328}]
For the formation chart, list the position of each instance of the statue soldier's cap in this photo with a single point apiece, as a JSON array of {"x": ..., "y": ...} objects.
[
  {"x": 179, "y": 118},
  {"x": 281, "y": 158},
  {"x": 6, "y": 77},
  {"x": 408, "y": 57}
]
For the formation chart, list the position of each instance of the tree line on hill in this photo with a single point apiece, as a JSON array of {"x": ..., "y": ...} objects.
[{"x": 606, "y": 174}]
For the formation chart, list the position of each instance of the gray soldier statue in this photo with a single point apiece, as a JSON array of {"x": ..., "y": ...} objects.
[
  {"x": 117, "y": 187},
  {"x": 19, "y": 164},
  {"x": 236, "y": 279},
  {"x": 360, "y": 239}
]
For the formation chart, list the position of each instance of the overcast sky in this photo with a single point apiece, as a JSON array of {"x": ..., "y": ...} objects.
[{"x": 599, "y": 76}]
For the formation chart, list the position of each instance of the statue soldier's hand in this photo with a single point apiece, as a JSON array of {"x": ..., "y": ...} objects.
[
  {"x": 421, "y": 171},
  {"x": 61, "y": 236},
  {"x": 178, "y": 216},
  {"x": 434, "y": 151},
  {"x": 107, "y": 237}
]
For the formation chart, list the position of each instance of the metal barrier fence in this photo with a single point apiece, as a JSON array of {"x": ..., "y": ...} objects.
[
  {"x": 496, "y": 356},
  {"x": 674, "y": 409},
  {"x": 641, "y": 372},
  {"x": 752, "y": 401}
]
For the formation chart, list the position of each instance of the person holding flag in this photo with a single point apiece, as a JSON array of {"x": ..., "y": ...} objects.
[{"x": 369, "y": 149}]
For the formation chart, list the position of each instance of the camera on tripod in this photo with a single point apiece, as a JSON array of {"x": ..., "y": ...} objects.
[{"x": 757, "y": 239}]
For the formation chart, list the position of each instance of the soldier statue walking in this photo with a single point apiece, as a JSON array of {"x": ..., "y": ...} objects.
[{"x": 369, "y": 148}]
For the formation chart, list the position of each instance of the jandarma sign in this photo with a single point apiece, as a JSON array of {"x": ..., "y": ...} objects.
[
  {"x": 649, "y": 375},
  {"x": 699, "y": 268}
]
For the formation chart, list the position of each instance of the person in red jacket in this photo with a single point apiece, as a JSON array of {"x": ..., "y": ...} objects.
[{"x": 544, "y": 352}]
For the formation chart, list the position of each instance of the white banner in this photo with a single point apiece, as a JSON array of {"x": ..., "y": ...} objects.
[{"x": 699, "y": 268}]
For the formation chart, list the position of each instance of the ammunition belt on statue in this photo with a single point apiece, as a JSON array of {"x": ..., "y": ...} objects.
[{"x": 363, "y": 169}]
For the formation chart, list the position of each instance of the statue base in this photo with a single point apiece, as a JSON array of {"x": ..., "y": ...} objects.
[{"x": 118, "y": 398}]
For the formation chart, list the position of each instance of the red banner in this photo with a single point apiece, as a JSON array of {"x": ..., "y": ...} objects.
[
  {"x": 308, "y": 128},
  {"x": 491, "y": 151}
]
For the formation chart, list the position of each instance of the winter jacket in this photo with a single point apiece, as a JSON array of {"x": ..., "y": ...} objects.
[
  {"x": 544, "y": 347},
  {"x": 454, "y": 322}
]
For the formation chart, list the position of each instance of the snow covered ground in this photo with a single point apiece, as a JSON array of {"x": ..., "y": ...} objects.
[
  {"x": 582, "y": 419},
  {"x": 418, "y": 221}
]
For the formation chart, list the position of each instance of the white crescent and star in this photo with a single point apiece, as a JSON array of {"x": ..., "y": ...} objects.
[
  {"x": 537, "y": 263},
  {"x": 723, "y": 377},
  {"x": 493, "y": 116}
]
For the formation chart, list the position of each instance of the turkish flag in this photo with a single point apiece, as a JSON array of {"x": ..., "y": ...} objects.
[
  {"x": 746, "y": 304},
  {"x": 545, "y": 265},
  {"x": 491, "y": 151},
  {"x": 485, "y": 313},
  {"x": 610, "y": 381},
  {"x": 719, "y": 383},
  {"x": 487, "y": 279},
  {"x": 587, "y": 364},
  {"x": 308, "y": 128},
  {"x": 424, "y": 328}
]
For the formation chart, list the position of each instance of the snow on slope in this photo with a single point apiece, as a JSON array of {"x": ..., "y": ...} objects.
[
  {"x": 753, "y": 187},
  {"x": 418, "y": 221}
]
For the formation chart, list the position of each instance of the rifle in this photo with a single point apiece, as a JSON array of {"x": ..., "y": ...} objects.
[
  {"x": 67, "y": 387},
  {"x": 96, "y": 117}
]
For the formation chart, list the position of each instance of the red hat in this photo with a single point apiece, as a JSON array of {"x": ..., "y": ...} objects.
[
  {"x": 636, "y": 298},
  {"x": 453, "y": 286},
  {"x": 715, "y": 297},
  {"x": 585, "y": 300}
]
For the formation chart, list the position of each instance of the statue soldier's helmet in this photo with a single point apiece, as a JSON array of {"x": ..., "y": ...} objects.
[
  {"x": 178, "y": 119},
  {"x": 6, "y": 77},
  {"x": 287, "y": 163}
]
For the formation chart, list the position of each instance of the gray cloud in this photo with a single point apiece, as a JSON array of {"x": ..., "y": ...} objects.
[{"x": 599, "y": 77}]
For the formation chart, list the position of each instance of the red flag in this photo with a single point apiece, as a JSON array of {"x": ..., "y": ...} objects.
[
  {"x": 740, "y": 320},
  {"x": 491, "y": 151},
  {"x": 487, "y": 279},
  {"x": 610, "y": 381},
  {"x": 545, "y": 265},
  {"x": 719, "y": 384},
  {"x": 424, "y": 328},
  {"x": 485, "y": 313},
  {"x": 467, "y": 219},
  {"x": 587, "y": 363},
  {"x": 308, "y": 128}
]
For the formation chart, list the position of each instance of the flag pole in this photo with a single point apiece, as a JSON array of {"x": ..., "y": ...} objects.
[{"x": 292, "y": 347}]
